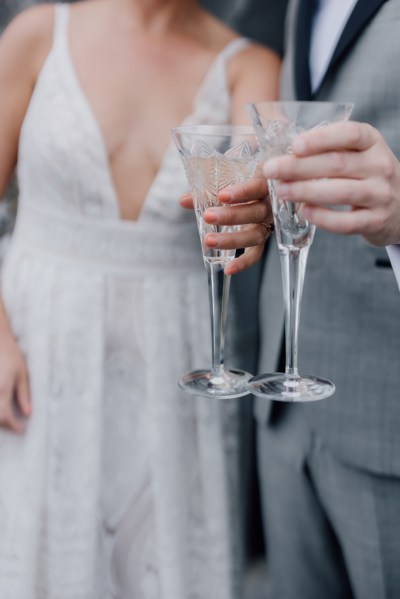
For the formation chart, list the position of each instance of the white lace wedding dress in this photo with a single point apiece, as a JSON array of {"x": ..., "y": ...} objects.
[{"x": 122, "y": 486}]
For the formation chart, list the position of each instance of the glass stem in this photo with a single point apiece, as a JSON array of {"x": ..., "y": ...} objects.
[
  {"x": 293, "y": 263},
  {"x": 218, "y": 293}
]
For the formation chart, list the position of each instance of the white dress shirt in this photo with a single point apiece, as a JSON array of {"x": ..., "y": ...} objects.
[{"x": 329, "y": 21}]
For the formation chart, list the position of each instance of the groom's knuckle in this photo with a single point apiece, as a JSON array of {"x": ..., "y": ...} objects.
[
  {"x": 355, "y": 133},
  {"x": 337, "y": 162}
]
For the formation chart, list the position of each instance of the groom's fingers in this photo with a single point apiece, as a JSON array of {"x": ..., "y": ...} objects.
[
  {"x": 343, "y": 136},
  {"x": 346, "y": 150},
  {"x": 361, "y": 221},
  {"x": 357, "y": 193},
  {"x": 327, "y": 165}
]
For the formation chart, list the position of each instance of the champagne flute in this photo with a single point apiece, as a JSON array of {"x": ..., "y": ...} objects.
[
  {"x": 276, "y": 125},
  {"x": 214, "y": 157}
]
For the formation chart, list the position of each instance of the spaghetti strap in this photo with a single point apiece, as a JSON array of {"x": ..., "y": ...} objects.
[
  {"x": 235, "y": 46},
  {"x": 61, "y": 17},
  {"x": 213, "y": 94}
]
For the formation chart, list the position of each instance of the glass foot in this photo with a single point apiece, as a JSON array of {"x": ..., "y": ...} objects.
[
  {"x": 283, "y": 387},
  {"x": 226, "y": 385}
]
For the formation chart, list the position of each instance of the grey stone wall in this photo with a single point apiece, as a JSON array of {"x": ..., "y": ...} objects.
[{"x": 261, "y": 20}]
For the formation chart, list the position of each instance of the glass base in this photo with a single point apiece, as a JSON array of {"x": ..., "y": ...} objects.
[
  {"x": 226, "y": 385},
  {"x": 283, "y": 387}
]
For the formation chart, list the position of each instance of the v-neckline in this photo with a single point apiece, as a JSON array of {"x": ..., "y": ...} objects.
[{"x": 98, "y": 132}]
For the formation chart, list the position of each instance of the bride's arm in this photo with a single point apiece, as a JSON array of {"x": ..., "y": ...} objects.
[{"x": 23, "y": 47}]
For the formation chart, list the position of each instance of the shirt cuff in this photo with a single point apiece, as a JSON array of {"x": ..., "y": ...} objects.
[{"x": 394, "y": 256}]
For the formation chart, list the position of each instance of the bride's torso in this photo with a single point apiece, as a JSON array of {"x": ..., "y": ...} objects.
[
  {"x": 108, "y": 313},
  {"x": 140, "y": 77},
  {"x": 69, "y": 204},
  {"x": 96, "y": 136}
]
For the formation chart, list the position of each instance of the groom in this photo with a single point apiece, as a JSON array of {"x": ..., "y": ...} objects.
[{"x": 330, "y": 471}]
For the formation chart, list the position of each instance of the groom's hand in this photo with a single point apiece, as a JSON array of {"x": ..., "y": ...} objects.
[
  {"x": 343, "y": 165},
  {"x": 243, "y": 204}
]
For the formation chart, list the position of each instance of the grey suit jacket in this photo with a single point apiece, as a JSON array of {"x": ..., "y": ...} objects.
[{"x": 350, "y": 321}]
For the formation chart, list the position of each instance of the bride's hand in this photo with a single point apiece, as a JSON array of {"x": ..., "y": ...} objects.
[
  {"x": 244, "y": 204},
  {"x": 15, "y": 403}
]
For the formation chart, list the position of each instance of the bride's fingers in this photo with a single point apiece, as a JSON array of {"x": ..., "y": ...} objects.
[
  {"x": 243, "y": 214},
  {"x": 252, "y": 235},
  {"x": 186, "y": 201},
  {"x": 9, "y": 420},
  {"x": 250, "y": 257},
  {"x": 249, "y": 191},
  {"x": 23, "y": 394},
  {"x": 255, "y": 189}
]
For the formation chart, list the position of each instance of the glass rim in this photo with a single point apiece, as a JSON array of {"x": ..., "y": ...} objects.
[
  {"x": 302, "y": 103},
  {"x": 214, "y": 130}
]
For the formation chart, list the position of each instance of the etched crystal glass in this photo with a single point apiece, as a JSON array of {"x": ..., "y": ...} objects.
[
  {"x": 215, "y": 157},
  {"x": 276, "y": 125}
]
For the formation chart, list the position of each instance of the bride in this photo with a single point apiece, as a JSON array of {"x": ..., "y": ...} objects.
[{"x": 113, "y": 483}]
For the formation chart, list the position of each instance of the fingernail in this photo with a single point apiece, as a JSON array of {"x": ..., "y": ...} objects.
[
  {"x": 231, "y": 270},
  {"x": 209, "y": 216},
  {"x": 225, "y": 196},
  {"x": 211, "y": 241},
  {"x": 270, "y": 169},
  {"x": 183, "y": 200}
]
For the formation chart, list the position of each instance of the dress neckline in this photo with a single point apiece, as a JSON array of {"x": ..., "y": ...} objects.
[{"x": 61, "y": 39}]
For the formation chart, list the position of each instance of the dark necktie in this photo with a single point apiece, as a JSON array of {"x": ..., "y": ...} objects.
[{"x": 303, "y": 30}]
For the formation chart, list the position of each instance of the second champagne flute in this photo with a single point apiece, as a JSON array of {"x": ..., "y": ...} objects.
[
  {"x": 215, "y": 157},
  {"x": 277, "y": 124}
]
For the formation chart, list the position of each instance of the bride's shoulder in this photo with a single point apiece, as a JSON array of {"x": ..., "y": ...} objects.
[
  {"x": 31, "y": 24},
  {"x": 28, "y": 38}
]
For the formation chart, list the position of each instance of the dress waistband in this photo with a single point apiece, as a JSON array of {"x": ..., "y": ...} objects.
[{"x": 107, "y": 244}]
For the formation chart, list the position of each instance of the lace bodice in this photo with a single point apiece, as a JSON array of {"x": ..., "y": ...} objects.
[{"x": 68, "y": 122}]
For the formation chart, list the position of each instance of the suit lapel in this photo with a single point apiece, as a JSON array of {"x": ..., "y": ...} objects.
[{"x": 362, "y": 14}]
